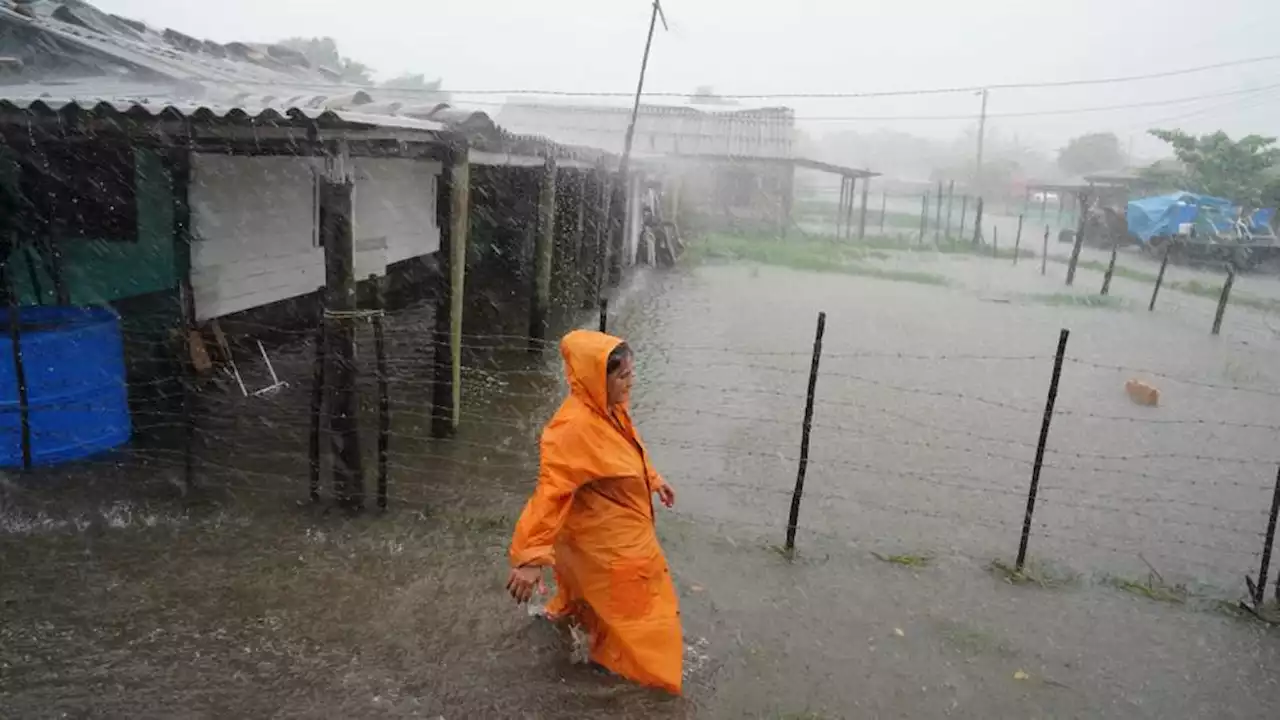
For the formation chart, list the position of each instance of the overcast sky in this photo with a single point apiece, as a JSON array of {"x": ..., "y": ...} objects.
[{"x": 753, "y": 46}]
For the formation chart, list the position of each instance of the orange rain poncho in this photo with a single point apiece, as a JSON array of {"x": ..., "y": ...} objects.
[{"x": 591, "y": 518}]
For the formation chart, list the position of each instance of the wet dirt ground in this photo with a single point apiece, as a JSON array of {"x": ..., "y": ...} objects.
[{"x": 124, "y": 597}]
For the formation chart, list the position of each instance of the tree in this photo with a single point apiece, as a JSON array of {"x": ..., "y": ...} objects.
[
  {"x": 1242, "y": 171},
  {"x": 323, "y": 52},
  {"x": 706, "y": 95},
  {"x": 1091, "y": 153}
]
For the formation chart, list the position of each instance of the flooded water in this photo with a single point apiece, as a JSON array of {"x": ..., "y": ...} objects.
[{"x": 131, "y": 599}]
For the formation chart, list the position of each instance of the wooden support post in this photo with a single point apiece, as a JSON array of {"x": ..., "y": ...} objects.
[
  {"x": 384, "y": 393},
  {"x": 453, "y": 210},
  {"x": 180, "y": 172},
  {"x": 543, "y": 257},
  {"x": 884, "y": 204},
  {"x": 1224, "y": 298},
  {"x": 862, "y": 214},
  {"x": 1075, "y": 248},
  {"x": 844, "y": 190},
  {"x": 336, "y": 193},
  {"x": 951, "y": 201},
  {"x": 937, "y": 220},
  {"x": 964, "y": 216},
  {"x": 579, "y": 272},
  {"x": 848, "y": 213},
  {"x": 995, "y": 241},
  {"x": 317, "y": 402},
  {"x": 10, "y": 251},
  {"x": 1164, "y": 263}
]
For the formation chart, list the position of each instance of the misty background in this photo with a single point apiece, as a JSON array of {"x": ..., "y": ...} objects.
[{"x": 821, "y": 46}]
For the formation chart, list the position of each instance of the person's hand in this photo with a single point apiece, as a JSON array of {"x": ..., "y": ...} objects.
[
  {"x": 522, "y": 581},
  {"x": 666, "y": 495}
]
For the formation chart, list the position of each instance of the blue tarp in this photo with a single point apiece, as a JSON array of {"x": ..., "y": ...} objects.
[{"x": 1161, "y": 215}]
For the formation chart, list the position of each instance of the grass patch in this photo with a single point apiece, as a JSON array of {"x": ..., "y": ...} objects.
[
  {"x": 973, "y": 641},
  {"x": 814, "y": 255},
  {"x": 1033, "y": 573},
  {"x": 1153, "y": 588},
  {"x": 911, "y": 561},
  {"x": 1071, "y": 300}
]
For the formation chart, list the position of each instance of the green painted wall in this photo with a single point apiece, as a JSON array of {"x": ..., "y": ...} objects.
[{"x": 100, "y": 271}]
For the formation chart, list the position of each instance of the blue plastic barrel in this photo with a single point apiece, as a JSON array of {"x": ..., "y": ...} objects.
[{"x": 77, "y": 394}]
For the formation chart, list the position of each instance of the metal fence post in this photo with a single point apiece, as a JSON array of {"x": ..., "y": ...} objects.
[
  {"x": 1040, "y": 446},
  {"x": 804, "y": 434}
]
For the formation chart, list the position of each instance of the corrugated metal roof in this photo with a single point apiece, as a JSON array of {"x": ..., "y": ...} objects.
[
  {"x": 268, "y": 116},
  {"x": 172, "y": 74}
]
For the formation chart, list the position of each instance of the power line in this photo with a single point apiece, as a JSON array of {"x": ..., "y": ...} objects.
[
  {"x": 895, "y": 93},
  {"x": 970, "y": 116}
]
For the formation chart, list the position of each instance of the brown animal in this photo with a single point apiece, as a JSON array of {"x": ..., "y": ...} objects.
[{"x": 1142, "y": 392}]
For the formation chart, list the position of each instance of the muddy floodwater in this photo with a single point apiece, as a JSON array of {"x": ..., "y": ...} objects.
[{"x": 124, "y": 597}]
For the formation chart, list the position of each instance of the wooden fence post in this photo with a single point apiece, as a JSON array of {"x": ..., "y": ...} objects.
[
  {"x": 453, "y": 210},
  {"x": 1040, "y": 446},
  {"x": 336, "y": 215}
]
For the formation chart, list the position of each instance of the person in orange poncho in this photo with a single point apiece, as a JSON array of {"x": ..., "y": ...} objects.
[{"x": 591, "y": 519}]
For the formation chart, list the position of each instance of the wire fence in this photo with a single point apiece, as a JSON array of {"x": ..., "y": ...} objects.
[{"x": 927, "y": 453}]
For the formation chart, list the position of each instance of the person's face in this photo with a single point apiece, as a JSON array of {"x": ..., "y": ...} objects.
[{"x": 619, "y": 382}]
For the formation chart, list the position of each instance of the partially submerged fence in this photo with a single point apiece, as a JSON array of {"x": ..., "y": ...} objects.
[{"x": 876, "y": 447}]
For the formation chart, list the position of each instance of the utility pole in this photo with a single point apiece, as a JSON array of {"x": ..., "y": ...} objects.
[
  {"x": 982, "y": 132},
  {"x": 625, "y": 161}
]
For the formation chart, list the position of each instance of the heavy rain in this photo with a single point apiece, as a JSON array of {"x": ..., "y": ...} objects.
[{"x": 955, "y": 334}]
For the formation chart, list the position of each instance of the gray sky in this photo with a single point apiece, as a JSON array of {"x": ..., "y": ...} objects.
[{"x": 809, "y": 46}]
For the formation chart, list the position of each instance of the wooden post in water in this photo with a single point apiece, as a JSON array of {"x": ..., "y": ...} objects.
[
  {"x": 848, "y": 215},
  {"x": 543, "y": 257},
  {"x": 1040, "y": 446},
  {"x": 453, "y": 213},
  {"x": 1164, "y": 263},
  {"x": 794, "y": 518},
  {"x": 951, "y": 198},
  {"x": 884, "y": 204},
  {"x": 937, "y": 219},
  {"x": 924, "y": 216},
  {"x": 862, "y": 214},
  {"x": 1111, "y": 269},
  {"x": 977, "y": 224},
  {"x": 1075, "y": 248},
  {"x": 844, "y": 190},
  {"x": 1017, "y": 240},
  {"x": 1224, "y": 298},
  {"x": 964, "y": 212},
  {"x": 1044, "y": 252},
  {"x": 336, "y": 193}
]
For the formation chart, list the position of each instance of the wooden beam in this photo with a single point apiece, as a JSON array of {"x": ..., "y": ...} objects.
[{"x": 543, "y": 256}]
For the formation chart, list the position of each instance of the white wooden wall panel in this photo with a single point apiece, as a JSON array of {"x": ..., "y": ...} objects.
[
  {"x": 395, "y": 212},
  {"x": 253, "y": 223}
]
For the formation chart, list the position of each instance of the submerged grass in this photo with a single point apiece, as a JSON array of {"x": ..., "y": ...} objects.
[
  {"x": 816, "y": 255},
  {"x": 1070, "y": 300},
  {"x": 1033, "y": 572},
  {"x": 911, "y": 561},
  {"x": 1197, "y": 288}
]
